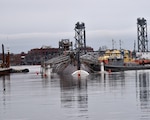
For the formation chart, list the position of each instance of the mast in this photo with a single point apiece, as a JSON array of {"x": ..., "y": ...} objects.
[{"x": 3, "y": 56}]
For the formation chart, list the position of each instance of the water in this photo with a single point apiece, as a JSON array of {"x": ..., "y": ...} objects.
[{"x": 114, "y": 96}]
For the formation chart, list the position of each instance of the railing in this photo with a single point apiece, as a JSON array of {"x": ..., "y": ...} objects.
[{"x": 57, "y": 60}]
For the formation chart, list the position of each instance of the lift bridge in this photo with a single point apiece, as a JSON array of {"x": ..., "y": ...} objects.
[{"x": 142, "y": 35}]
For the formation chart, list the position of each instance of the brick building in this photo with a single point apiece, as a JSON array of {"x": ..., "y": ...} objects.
[
  {"x": 17, "y": 59},
  {"x": 36, "y": 56}
]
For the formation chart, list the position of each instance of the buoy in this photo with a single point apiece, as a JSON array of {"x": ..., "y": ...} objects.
[
  {"x": 45, "y": 75},
  {"x": 78, "y": 74}
]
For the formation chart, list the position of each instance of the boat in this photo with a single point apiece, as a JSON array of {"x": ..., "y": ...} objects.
[
  {"x": 122, "y": 61},
  {"x": 131, "y": 66},
  {"x": 4, "y": 71},
  {"x": 5, "y": 65},
  {"x": 25, "y": 70}
]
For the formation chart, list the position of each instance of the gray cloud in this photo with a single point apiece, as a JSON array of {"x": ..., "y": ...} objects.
[{"x": 47, "y": 21}]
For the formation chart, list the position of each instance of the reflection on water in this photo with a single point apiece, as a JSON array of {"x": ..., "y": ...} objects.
[
  {"x": 5, "y": 82},
  {"x": 144, "y": 87},
  {"x": 5, "y": 88},
  {"x": 143, "y": 92},
  {"x": 74, "y": 96},
  {"x": 111, "y": 81},
  {"x": 113, "y": 96},
  {"x": 117, "y": 79}
]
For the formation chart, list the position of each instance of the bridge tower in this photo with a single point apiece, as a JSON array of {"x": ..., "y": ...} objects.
[
  {"x": 142, "y": 35},
  {"x": 80, "y": 37}
]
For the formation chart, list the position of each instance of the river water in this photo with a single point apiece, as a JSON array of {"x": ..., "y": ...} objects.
[{"x": 113, "y": 96}]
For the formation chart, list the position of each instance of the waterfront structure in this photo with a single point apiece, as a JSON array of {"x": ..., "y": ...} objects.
[
  {"x": 33, "y": 57},
  {"x": 143, "y": 53},
  {"x": 38, "y": 55},
  {"x": 80, "y": 36},
  {"x": 126, "y": 55},
  {"x": 142, "y": 35}
]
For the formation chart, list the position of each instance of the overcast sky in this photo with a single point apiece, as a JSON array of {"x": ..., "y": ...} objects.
[{"x": 27, "y": 24}]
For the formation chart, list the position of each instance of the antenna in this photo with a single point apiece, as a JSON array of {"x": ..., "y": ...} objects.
[
  {"x": 134, "y": 44},
  {"x": 120, "y": 44},
  {"x": 113, "y": 43}
]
